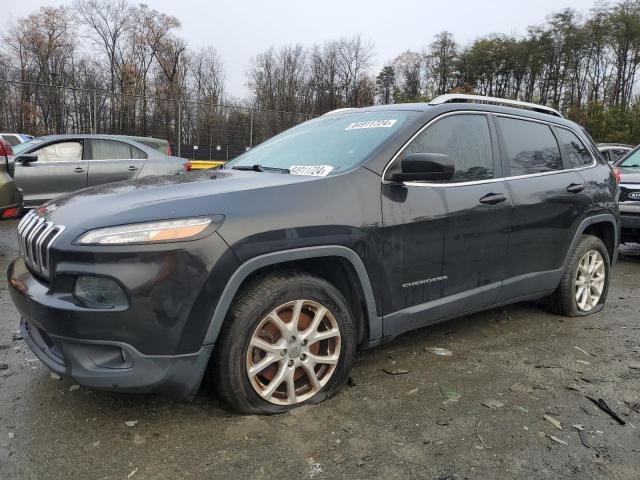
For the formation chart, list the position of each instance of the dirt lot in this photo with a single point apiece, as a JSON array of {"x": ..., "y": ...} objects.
[{"x": 427, "y": 423}]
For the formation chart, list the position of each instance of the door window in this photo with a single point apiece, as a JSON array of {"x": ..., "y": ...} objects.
[
  {"x": 530, "y": 147},
  {"x": 114, "y": 150},
  {"x": 465, "y": 139},
  {"x": 60, "y": 152},
  {"x": 574, "y": 149}
]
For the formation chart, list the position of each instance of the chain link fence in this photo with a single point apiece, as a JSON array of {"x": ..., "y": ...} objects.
[{"x": 196, "y": 130}]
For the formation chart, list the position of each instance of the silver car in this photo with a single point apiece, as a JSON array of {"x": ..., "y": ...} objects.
[{"x": 47, "y": 167}]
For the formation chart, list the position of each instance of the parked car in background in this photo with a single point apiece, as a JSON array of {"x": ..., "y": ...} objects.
[
  {"x": 613, "y": 152},
  {"x": 10, "y": 194},
  {"x": 47, "y": 167},
  {"x": 341, "y": 233},
  {"x": 629, "y": 167},
  {"x": 15, "y": 138}
]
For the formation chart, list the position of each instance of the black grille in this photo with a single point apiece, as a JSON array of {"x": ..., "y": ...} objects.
[{"x": 36, "y": 236}]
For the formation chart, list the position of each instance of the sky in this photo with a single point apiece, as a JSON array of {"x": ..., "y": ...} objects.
[{"x": 241, "y": 29}]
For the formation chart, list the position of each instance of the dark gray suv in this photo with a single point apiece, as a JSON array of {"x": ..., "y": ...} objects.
[{"x": 338, "y": 234}]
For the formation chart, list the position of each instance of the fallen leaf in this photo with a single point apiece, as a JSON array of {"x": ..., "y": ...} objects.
[
  {"x": 54, "y": 375},
  {"x": 132, "y": 473},
  {"x": 441, "y": 352},
  {"x": 556, "y": 439},
  {"x": 450, "y": 393},
  {"x": 131, "y": 423},
  {"x": 74, "y": 387},
  {"x": 553, "y": 421},
  {"x": 583, "y": 351},
  {"x": 397, "y": 371},
  {"x": 11, "y": 434},
  {"x": 578, "y": 427},
  {"x": 521, "y": 409},
  {"x": 491, "y": 403},
  {"x": 583, "y": 362},
  {"x": 411, "y": 392}
]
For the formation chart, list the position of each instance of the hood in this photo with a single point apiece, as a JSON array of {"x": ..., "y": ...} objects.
[
  {"x": 630, "y": 175},
  {"x": 158, "y": 197}
]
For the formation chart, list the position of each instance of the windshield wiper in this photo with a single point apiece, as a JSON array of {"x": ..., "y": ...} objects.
[{"x": 260, "y": 168}]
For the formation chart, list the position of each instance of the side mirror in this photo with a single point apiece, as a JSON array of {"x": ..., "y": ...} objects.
[
  {"x": 424, "y": 166},
  {"x": 27, "y": 158}
]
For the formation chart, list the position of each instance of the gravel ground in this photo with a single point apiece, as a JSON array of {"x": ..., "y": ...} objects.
[{"x": 428, "y": 423}]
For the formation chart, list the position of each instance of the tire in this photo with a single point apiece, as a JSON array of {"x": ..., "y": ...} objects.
[
  {"x": 250, "y": 322},
  {"x": 563, "y": 301}
]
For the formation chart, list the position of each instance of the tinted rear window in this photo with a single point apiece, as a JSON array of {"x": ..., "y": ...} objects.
[
  {"x": 574, "y": 149},
  {"x": 530, "y": 147},
  {"x": 114, "y": 150}
]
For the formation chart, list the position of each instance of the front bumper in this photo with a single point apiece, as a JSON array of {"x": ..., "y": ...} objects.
[
  {"x": 117, "y": 366},
  {"x": 630, "y": 226}
]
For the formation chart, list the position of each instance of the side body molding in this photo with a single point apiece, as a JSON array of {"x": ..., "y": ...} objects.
[{"x": 252, "y": 265}]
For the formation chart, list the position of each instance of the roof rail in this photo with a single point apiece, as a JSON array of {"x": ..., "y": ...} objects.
[
  {"x": 463, "y": 97},
  {"x": 338, "y": 110}
]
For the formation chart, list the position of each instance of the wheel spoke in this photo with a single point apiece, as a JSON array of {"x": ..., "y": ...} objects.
[
  {"x": 319, "y": 336},
  {"x": 315, "y": 323},
  {"x": 311, "y": 375},
  {"x": 291, "y": 385},
  {"x": 262, "y": 364},
  {"x": 295, "y": 317},
  {"x": 324, "y": 359},
  {"x": 285, "y": 329},
  {"x": 272, "y": 348},
  {"x": 275, "y": 383}
]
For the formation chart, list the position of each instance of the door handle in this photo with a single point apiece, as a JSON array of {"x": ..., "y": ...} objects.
[
  {"x": 78, "y": 169},
  {"x": 493, "y": 198},
  {"x": 132, "y": 168},
  {"x": 575, "y": 187}
]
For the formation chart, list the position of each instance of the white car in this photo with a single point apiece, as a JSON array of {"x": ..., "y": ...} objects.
[
  {"x": 614, "y": 151},
  {"x": 15, "y": 138}
]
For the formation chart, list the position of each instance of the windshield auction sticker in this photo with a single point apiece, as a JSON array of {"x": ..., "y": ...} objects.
[
  {"x": 315, "y": 170},
  {"x": 371, "y": 124}
]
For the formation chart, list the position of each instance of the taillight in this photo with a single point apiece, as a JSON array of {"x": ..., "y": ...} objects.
[
  {"x": 616, "y": 173},
  {"x": 10, "y": 212},
  {"x": 169, "y": 150},
  {"x": 187, "y": 166},
  {"x": 5, "y": 148}
]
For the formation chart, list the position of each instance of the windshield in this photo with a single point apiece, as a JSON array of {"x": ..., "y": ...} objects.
[
  {"x": 326, "y": 145},
  {"x": 632, "y": 161},
  {"x": 23, "y": 147}
]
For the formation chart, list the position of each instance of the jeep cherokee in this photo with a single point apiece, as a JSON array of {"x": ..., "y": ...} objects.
[{"x": 341, "y": 233}]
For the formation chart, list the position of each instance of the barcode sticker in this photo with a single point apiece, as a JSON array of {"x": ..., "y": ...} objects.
[
  {"x": 315, "y": 170},
  {"x": 371, "y": 124}
]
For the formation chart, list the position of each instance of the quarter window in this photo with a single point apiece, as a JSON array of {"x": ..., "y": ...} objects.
[
  {"x": 530, "y": 147},
  {"x": 465, "y": 139},
  {"x": 60, "y": 152},
  {"x": 114, "y": 150},
  {"x": 574, "y": 149}
]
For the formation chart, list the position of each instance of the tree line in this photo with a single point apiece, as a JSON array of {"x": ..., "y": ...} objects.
[{"x": 150, "y": 82}]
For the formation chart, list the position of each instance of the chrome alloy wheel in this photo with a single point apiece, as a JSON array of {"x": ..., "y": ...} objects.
[
  {"x": 293, "y": 352},
  {"x": 589, "y": 281}
]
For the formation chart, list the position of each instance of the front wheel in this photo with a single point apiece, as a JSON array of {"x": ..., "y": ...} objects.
[
  {"x": 585, "y": 284},
  {"x": 288, "y": 340}
]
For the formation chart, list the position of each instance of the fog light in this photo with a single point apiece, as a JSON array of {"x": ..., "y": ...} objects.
[{"x": 99, "y": 292}]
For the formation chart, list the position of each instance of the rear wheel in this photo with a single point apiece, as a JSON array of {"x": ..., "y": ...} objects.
[
  {"x": 584, "y": 286},
  {"x": 288, "y": 340}
]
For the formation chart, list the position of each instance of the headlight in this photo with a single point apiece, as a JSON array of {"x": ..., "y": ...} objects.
[{"x": 146, "y": 232}]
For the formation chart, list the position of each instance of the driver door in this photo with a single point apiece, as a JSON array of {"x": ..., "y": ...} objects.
[
  {"x": 60, "y": 169},
  {"x": 445, "y": 241}
]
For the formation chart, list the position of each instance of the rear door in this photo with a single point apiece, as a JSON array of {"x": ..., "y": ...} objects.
[
  {"x": 60, "y": 169},
  {"x": 549, "y": 204},
  {"x": 444, "y": 242},
  {"x": 113, "y": 161}
]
